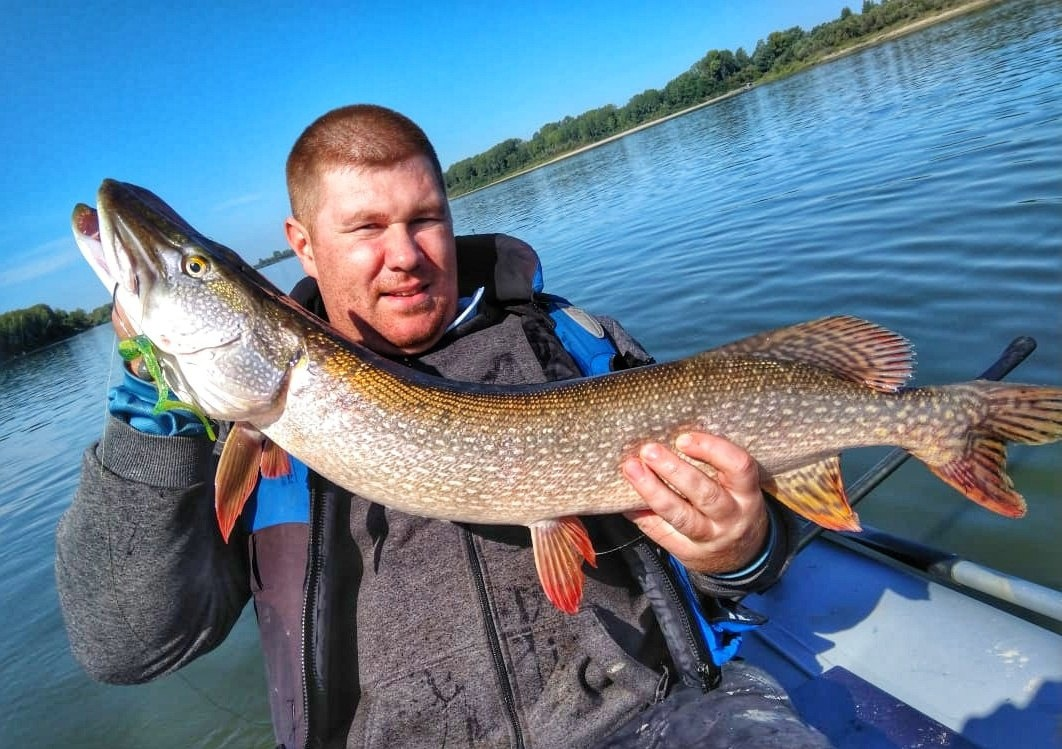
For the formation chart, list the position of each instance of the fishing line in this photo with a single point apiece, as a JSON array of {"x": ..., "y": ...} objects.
[
  {"x": 107, "y": 381},
  {"x": 622, "y": 546},
  {"x": 106, "y": 405}
]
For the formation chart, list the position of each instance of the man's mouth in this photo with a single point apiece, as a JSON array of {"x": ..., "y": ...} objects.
[{"x": 407, "y": 292}]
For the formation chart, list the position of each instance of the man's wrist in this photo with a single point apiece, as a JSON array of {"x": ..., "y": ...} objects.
[{"x": 766, "y": 567}]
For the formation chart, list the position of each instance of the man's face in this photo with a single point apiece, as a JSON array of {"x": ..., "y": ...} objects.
[{"x": 382, "y": 250}]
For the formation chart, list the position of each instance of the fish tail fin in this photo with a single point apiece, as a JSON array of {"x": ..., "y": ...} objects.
[
  {"x": 1025, "y": 414},
  {"x": 560, "y": 546}
]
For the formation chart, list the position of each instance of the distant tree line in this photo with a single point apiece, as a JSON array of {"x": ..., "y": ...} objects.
[
  {"x": 276, "y": 257},
  {"x": 717, "y": 73},
  {"x": 25, "y": 330}
]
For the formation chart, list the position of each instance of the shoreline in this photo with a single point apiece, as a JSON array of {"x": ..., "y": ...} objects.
[{"x": 884, "y": 36}]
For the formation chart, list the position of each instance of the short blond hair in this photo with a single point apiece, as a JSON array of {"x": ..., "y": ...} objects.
[{"x": 358, "y": 135}]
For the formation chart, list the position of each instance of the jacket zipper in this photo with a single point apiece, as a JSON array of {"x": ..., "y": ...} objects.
[
  {"x": 314, "y": 566},
  {"x": 493, "y": 641},
  {"x": 708, "y": 673}
]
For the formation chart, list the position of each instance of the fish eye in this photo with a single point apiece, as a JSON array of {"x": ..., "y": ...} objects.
[{"x": 195, "y": 266}]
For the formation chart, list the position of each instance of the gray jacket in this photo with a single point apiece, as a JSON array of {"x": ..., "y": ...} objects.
[{"x": 379, "y": 628}]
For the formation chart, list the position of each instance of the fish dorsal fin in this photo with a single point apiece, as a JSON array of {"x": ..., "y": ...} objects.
[{"x": 849, "y": 347}]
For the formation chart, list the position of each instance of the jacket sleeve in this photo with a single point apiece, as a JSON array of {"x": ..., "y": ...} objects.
[{"x": 145, "y": 582}]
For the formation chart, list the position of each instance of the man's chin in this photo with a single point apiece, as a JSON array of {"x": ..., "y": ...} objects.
[{"x": 403, "y": 342}]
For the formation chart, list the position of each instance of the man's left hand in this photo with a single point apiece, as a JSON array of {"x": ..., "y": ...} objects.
[{"x": 710, "y": 524}]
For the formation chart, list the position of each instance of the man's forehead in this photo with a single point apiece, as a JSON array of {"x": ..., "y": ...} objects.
[
  {"x": 417, "y": 164},
  {"x": 367, "y": 191}
]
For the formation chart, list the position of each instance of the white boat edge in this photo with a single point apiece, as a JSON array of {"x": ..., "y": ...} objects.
[{"x": 991, "y": 677}]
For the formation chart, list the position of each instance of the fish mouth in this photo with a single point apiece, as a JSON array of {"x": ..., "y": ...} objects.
[
  {"x": 134, "y": 242},
  {"x": 86, "y": 225},
  {"x": 126, "y": 265}
]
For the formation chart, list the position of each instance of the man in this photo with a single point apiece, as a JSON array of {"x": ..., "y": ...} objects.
[{"x": 383, "y": 629}]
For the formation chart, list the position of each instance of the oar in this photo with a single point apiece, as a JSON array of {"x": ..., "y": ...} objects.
[{"x": 951, "y": 568}]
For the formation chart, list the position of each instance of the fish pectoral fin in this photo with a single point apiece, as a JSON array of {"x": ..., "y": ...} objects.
[
  {"x": 815, "y": 492},
  {"x": 275, "y": 461},
  {"x": 560, "y": 546},
  {"x": 237, "y": 474}
]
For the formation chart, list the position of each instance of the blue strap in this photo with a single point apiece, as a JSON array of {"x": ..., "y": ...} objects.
[
  {"x": 581, "y": 335},
  {"x": 722, "y": 636}
]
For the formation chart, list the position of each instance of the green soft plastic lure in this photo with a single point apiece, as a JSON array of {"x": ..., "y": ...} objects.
[{"x": 141, "y": 345}]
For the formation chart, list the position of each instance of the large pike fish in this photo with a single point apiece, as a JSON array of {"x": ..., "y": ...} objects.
[{"x": 228, "y": 341}]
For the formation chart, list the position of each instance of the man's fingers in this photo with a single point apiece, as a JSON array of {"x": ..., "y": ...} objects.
[
  {"x": 737, "y": 469},
  {"x": 667, "y": 483},
  {"x": 710, "y": 521}
]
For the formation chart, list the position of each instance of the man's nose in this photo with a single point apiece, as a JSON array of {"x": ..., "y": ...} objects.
[{"x": 403, "y": 252}]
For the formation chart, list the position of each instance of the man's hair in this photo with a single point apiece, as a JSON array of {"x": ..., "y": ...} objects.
[{"x": 355, "y": 136}]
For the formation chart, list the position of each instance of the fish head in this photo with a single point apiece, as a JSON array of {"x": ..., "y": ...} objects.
[{"x": 205, "y": 310}]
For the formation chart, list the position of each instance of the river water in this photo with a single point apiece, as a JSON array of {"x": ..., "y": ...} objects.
[{"x": 917, "y": 183}]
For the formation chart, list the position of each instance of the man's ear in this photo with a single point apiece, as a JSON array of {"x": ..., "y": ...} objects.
[{"x": 299, "y": 241}]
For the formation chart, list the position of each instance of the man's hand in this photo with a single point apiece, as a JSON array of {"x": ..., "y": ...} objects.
[{"x": 711, "y": 525}]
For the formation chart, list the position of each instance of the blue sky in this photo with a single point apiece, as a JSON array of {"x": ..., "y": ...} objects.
[{"x": 201, "y": 103}]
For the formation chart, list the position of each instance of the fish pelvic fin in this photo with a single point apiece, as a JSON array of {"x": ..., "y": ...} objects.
[
  {"x": 1025, "y": 414},
  {"x": 275, "y": 461},
  {"x": 237, "y": 474},
  {"x": 817, "y": 493},
  {"x": 846, "y": 346},
  {"x": 560, "y": 546}
]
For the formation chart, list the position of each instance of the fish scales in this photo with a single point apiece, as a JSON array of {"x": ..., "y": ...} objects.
[{"x": 456, "y": 450}]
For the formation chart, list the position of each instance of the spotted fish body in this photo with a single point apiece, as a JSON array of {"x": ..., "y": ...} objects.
[
  {"x": 465, "y": 455},
  {"x": 538, "y": 455}
]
